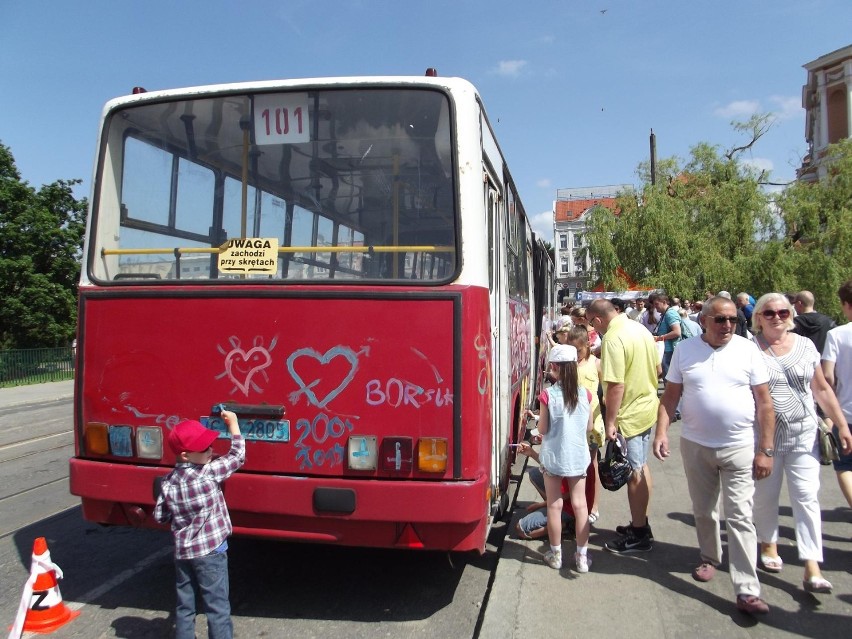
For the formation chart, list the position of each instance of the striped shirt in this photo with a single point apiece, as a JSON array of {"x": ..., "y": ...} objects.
[
  {"x": 795, "y": 425},
  {"x": 192, "y": 500}
]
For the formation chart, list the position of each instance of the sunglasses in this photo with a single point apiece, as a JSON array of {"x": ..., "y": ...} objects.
[
  {"x": 782, "y": 313},
  {"x": 722, "y": 319}
]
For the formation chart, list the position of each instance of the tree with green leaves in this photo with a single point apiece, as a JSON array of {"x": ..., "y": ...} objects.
[
  {"x": 41, "y": 239},
  {"x": 817, "y": 217},
  {"x": 707, "y": 224}
]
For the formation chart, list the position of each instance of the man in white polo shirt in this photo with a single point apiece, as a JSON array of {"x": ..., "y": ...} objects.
[{"x": 724, "y": 383}]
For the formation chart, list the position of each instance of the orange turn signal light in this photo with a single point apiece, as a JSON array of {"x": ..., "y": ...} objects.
[
  {"x": 96, "y": 436},
  {"x": 432, "y": 454}
]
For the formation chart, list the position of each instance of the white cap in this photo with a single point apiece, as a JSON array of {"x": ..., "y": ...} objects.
[{"x": 563, "y": 353}]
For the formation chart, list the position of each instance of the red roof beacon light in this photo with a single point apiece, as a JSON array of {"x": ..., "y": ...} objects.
[
  {"x": 138, "y": 90},
  {"x": 431, "y": 72}
]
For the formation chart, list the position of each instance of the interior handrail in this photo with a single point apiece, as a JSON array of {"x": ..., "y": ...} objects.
[{"x": 287, "y": 249}]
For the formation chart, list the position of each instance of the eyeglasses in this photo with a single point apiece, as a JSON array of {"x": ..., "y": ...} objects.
[
  {"x": 722, "y": 319},
  {"x": 782, "y": 313}
]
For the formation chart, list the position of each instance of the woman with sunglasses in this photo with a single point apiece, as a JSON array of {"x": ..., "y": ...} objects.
[{"x": 795, "y": 381}]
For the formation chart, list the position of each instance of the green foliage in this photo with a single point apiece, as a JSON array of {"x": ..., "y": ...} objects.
[
  {"x": 818, "y": 221},
  {"x": 707, "y": 225},
  {"x": 41, "y": 237}
]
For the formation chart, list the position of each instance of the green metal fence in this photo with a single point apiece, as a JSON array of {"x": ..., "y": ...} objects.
[{"x": 36, "y": 365}]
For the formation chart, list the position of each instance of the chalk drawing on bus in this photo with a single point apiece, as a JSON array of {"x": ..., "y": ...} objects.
[
  {"x": 435, "y": 372},
  {"x": 520, "y": 341},
  {"x": 399, "y": 392},
  {"x": 243, "y": 366},
  {"x": 322, "y": 376},
  {"x": 170, "y": 421},
  {"x": 320, "y": 440},
  {"x": 481, "y": 346}
]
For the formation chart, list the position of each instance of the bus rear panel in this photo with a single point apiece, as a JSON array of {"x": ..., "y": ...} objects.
[{"x": 317, "y": 253}]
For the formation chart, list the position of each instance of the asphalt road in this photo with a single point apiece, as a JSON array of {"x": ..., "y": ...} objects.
[{"x": 122, "y": 579}]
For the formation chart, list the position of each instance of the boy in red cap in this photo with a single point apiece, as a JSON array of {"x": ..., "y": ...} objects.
[{"x": 191, "y": 499}]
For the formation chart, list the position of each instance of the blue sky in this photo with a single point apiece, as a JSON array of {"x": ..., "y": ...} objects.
[{"x": 572, "y": 87}]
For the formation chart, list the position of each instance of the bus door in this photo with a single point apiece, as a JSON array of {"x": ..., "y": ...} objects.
[{"x": 498, "y": 292}]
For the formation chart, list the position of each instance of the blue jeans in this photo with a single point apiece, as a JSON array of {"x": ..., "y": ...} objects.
[
  {"x": 534, "y": 524},
  {"x": 208, "y": 577},
  {"x": 667, "y": 361}
]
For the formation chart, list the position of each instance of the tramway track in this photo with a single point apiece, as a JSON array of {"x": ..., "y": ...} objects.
[
  {"x": 33, "y": 488},
  {"x": 34, "y": 440}
]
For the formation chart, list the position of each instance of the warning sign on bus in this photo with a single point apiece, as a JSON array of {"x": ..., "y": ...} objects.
[{"x": 249, "y": 255}]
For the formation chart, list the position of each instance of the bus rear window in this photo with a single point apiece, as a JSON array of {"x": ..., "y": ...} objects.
[{"x": 350, "y": 184}]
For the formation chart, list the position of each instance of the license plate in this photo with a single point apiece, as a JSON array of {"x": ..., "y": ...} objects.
[{"x": 263, "y": 430}]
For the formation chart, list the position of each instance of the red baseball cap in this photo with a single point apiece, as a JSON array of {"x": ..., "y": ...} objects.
[{"x": 191, "y": 436}]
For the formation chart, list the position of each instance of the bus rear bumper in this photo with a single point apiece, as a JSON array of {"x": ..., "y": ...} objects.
[{"x": 432, "y": 515}]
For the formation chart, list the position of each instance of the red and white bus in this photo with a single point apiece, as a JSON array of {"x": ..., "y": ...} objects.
[{"x": 343, "y": 261}]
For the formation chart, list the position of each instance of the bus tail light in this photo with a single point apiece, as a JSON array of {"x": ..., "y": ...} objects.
[
  {"x": 397, "y": 455},
  {"x": 96, "y": 436},
  {"x": 149, "y": 442},
  {"x": 121, "y": 440},
  {"x": 432, "y": 455},
  {"x": 361, "y": 452}
]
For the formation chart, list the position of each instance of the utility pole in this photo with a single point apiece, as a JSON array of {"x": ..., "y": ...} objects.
[{"x": 653, "y": 158}]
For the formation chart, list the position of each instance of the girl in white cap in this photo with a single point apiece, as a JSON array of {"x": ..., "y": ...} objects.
[{"x": 565, "y": 421}]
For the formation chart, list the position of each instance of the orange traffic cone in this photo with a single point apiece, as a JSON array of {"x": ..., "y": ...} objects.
[{"x": 41, "y": 609}]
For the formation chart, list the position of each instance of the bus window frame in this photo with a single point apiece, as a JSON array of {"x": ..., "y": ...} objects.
[{"x": 437, "y": 262}]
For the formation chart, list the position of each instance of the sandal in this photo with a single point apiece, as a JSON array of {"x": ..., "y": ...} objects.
[
  {"x": 817, "y": 584},
  {"x": 771, "y": 564}
]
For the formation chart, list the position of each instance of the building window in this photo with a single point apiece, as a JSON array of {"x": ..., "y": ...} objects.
[
  {"x": 564, "y": 265},
  {"x": 838, "y": 119},
  {"x": 563, "y": 241},
  {"x": 578, "y": 240}
]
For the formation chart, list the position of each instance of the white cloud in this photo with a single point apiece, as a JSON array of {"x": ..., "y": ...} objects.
[
  {"x": 738, "y": 109},
  {"x": 542, "y": 224},
  {"x": 760, "y": 164},
  {"x": 543, "y": 183},
  {"x": 510, "y": 67},
  {"x": 787, "y": 107}
]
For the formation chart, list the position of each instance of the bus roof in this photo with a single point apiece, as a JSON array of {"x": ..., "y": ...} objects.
[{"x": 446, "y": 83}]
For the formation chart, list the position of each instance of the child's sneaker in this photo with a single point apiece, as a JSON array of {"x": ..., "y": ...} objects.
[
  {"x": 553, "y": 559},
  {"x": 584, "y": 562}
]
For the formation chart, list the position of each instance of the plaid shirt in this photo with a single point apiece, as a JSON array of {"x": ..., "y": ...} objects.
[{"x": 192, "y": 500}]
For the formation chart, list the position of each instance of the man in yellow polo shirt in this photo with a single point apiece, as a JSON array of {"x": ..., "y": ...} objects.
[{"x": 630, "y": 368}]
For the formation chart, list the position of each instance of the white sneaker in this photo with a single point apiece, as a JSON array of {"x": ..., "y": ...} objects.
[
  {"x": 584, "y": 562},
  {"x": 553, "y": 559}
]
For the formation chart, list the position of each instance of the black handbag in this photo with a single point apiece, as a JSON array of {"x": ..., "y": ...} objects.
[{"x": 614, "y": 469}]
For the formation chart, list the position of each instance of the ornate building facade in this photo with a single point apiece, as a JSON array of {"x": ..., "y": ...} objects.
[{"x": 827, "y": 100}]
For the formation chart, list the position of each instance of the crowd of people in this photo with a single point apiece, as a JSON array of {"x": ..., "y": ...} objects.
[{"x": 782, "y": 368}]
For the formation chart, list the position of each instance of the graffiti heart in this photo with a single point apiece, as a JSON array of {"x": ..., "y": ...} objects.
[
  {"x": 321, "y": 376},
  {"x": 241, "y": 365}
]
